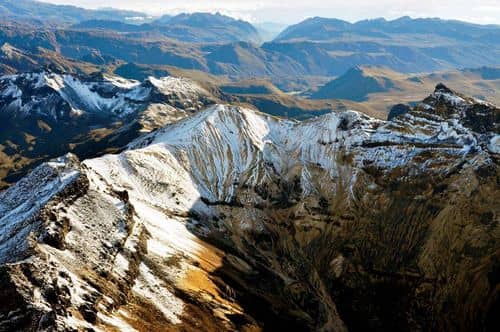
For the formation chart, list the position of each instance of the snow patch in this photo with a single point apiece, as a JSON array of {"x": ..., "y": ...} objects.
[
  {"x": 494, "y": 145},
  {"x": 149, "y": 287}
]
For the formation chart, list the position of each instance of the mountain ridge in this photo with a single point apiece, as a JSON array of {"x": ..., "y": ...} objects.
[
  {"x": 52, "y": 13},
  {"x": 45, "y": 114},
  {"x": 328, "y": 26},
  {"x": 194, "y": 28},
  {"x": 230, "y": 210}
]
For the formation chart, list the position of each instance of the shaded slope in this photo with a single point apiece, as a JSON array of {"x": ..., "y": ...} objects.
[{"x": 354, "y": 85}]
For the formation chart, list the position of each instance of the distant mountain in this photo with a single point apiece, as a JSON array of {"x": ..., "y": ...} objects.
[
  {"x": 239, "y": 59},
  {"x": 316, "y": 28},
  {"x": 354, "y": 85},
  {"x": 269, "y": 30},
  {"x": 207, "y": 27},
  {"x": 328, "y": 29},
  {"x": 213, "y": 43},
  {"x": 13, "y": 60},
  {"x": 376, "y": 89},
  {"x": 201, "y": 20},
  {"x": 50, "y": 13},
  {"x": 407, "y": 45},
  {"x": 190, "y": 28}
]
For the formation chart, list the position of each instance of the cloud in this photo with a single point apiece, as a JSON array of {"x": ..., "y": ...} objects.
[{"x": 484, "y": 11}]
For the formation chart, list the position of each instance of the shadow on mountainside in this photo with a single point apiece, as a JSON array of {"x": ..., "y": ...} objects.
[
  {"x": 397, "y": 249},
  {"x": 413, "y": 256}
]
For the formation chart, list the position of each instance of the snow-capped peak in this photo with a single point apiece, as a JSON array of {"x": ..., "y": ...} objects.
[{"x": 54, "y": 95}]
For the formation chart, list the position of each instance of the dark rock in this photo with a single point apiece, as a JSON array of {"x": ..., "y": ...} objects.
[
  {"x": 398, "y": 110},
  {"x": 443, "y": 88}
]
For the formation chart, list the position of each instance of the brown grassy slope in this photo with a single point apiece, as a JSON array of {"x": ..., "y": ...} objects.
[{"x": 413, "y": 88}]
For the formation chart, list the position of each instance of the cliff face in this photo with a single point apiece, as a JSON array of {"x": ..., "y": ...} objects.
[{"x": 234, "y": 220}]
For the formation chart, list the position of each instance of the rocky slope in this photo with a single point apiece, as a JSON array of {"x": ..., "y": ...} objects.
[
  {"x": 235, "y": 220},
  {"x": 46, "y": 114},
  {"x": 14, "y": 60}
]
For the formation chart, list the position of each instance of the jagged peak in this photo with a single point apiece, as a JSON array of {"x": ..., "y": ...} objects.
[{"x": 440, "y": 87}]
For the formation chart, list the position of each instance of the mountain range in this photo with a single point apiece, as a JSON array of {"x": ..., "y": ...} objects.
[
  {"x": 45, "y": 114},
  {"x": 196, "y": 172},
  {"x": 37, "y": 11},
  {"x": 333, "y": 30},
  {"x": 235, "y": 220},
  {"x": 190, "y": 28},
  {"x": 220, "y": 45}
]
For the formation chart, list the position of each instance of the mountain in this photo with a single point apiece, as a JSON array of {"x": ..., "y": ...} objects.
[
  {"x": 376, "y": 89},
  {"x": 328, "y": 29},
  {"x": 316, "y": 28},
  {"x": 213, "y": 48},
  {"x": 195, "y": 27},
  {"x": 189, "y": 28},
  {"x": 405, "y": 45},
  {"x": 214, "y": 27},
  {"x": 235, "y": 220},
  {"x": 354, "y": 85},
  {"x": 29, "y": 10},
  {"x": 46, "y": 114}
]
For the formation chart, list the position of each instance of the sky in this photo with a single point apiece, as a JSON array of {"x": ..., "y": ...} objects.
[{"x": 293, "y": 11}]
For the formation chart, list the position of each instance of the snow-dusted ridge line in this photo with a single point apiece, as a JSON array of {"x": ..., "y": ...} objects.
[
  {"x": 105, "y": 94},
  {"x": 225, "y": 144}
]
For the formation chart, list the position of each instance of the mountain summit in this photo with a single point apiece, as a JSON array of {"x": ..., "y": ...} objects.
[{"x": 355, "y": 85}]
